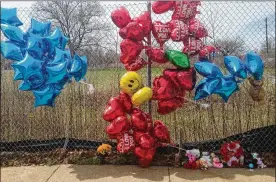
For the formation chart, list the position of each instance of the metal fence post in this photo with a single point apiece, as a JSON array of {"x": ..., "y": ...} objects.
[{"x": 149, "y": 61}]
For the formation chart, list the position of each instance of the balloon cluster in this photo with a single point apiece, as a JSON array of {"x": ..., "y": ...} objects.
[
  {"x": 39, "y": 57},
  {"x": 130, "y": 125},
  {"x": 133, "y": 31},
  {"x": 225, "y": 85}
]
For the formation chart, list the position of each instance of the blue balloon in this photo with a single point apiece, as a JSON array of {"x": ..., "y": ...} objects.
[
  {"x": 17, "y": 74},
  {"x": 254, "y": 64},
  {"x": 56, "y": 39},
  {"x": 46, "y": 96},
  {"x": 36, "y": 46},
  {"x": 9, "y": 16},
  {"x": 57, "y": 73},
  {"x": 208, "y": 69},
  {"x": 33, "y": 81},
  {"x": 13, "y": 33},
  {"x": 235, "y": 66},
  {"x": 60, "y": 57},
  {"x": 24, "y": 86},
  {"x": 206, "y": 87},
  {"x": 40, "y": 28},
  {"x": 79, "y": 67},
  {"x": 11, "y": 51},
  {"x": 226, "y": 87}
]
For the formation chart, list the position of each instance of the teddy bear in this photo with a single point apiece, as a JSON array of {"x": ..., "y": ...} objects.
[
  {"x": 256, "y": 90},
  {"x": 206, "y": 157}
]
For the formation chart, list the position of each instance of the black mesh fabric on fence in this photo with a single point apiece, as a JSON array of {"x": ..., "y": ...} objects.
[{"x": 76, "y": 120}]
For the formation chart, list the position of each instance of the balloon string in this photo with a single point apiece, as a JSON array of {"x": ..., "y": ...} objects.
[
  {"x": 91, "y": 88},
  {"x": 203, "y": 105}
]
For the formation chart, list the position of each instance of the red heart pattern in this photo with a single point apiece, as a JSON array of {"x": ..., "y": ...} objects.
[
  {"x": 161, "y": 32},
  {"x": 125, "y": 143},
  {"x": 179, "y": 30}
]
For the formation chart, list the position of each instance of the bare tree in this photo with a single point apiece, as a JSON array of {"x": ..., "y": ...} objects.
[
  {"x": 232, "y": 46},
  {"x": 81, "y": 21}
]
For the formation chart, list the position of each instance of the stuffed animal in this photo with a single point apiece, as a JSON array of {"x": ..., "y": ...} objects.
[
  {"x": 256, "y": 90},
  {"x": 206, "y": 157},
  {"x": 216, "y": 161}
]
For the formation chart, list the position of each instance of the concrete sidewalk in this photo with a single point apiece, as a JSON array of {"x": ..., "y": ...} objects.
[{"x": 106, "y": 173}]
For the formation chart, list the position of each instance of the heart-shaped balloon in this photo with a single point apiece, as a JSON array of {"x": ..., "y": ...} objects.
[
  {"x": 136, "y": 64},
  {"x": 120, "y": 17},
  {"x": 157, "y": 55},
  {"x": 185, "y": 10},
  {"x": 159, "y": 7},
  {"x": 134, "y": 31},
  {"x": 144, "y": 21},
  {"x": 206, "y": 51},
  {"x": 192, "y": 46},
  {"x": 187, "y": 79},
  {"x": 163, "y": 88},
  {"x": 142, "y": 153},
  {"x": 161, "y": 132},
  {"x": 123, "y": 32},
  {"x": 136, "y": 135},
  {"x": 168, "y": 106},
  {"x": 139, "y": 120},
  {"x": 144, "y": 163},
  {"x": 172, "y": 74},
  {"x": 179, "y": 30},
  {"x": 130, "y": 50},
  {"x": 146, "y": 141},
  {"x": 117, "y": 126},
  {"x": 161, "y": 32},
  {"x": 149, "y": 121},
  {"x": 113, "y": 109},
  {"x": 125, "y": 143},
  {"x": 197, "y": 29},
  {"x": 125, "y": 99}
]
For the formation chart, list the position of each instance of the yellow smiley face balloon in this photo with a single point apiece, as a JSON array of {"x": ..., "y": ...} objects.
[
  {"x": 141, "y": 96},
  {"x": 131, "y": 82}
]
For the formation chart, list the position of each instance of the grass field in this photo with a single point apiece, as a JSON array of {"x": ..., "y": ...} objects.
[{"x": 79, "y": 114}]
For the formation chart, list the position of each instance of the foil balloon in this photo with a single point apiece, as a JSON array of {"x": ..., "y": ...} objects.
[
  {"x": 159, "y": 7},
  {"x": 120, "y": 17},
  {"x": 123, "y": 32},
  {"x": 36, "y": 46},
  {"x": 145, "y": 156},
  {"x": 131, "y": 82},
  {"x": 192, "y": 46},
  {"x": 144, "y": 21},
  {"x": 40, "y": 28},
  {"x": 226, "y": 87},
  {"x": 146, "y": 141},
  {"x": 197, "y": 29},
  {"x": 163, "y": 88},
  {"x": 9, "y": 17},
  {"x": 161, "y": 32},
  {"x": 113, "y": 109},
  {"x": 45, "y": 96},
  {"x": 185, "y": 10},
  {"x": 57, "y": 73},
  {"x": 171, "y": 74},
  {"x": 206, "y": 87},
  {"x": 130, "y": 50},
  {"x": 13, "y": 33},
  {"x": 157, "y": 55},
  {"x": 207, "y": 69},
  {"x": 179, "y": 30},
  {"x": 125, "y": 100},
  {"x": 168, "y": 106},
  {"x": 117, "y": 126},
  {"x": 79, "y": 67},
  {"x": 235, "y": 66},
  {"x": 161, "y": 132},
  {"x": 141, "y": 96},
  {"x": 206, "y": 51},
  {"x": 178, "y": 59},
  {"x": 136, "y": 64},
  {"x": 137, "y": 134},
  {"x": 139, "y": 120},
  {"x": 134, "y": 31},
  {"x": 254, "y": 64},
  {"x": 56, "y": 40},
  {"x": 125, "y": 143},
  {"x": 11, "y": 51},
  {"x": 187, "y": 79}
]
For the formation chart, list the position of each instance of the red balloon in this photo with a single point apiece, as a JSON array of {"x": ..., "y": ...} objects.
[
  {"x": 123, "y": 33},
  {"x": 171, "y": 74},
  {"x": 206, "y": 51},
  {"x": 139, "y": 120},
  {"x": 163, "y": 88},
  {"x": 161, "y": 32},
  {"x": 136, "y": 135},
  {"x": 149, "y": 121},
  {"x": 125, "y": 143},
  {"x": 144, "y": 163},
  {"x": 185, "y": 10},
  {"x": 192, "y": 46},
  {"x": 144, "y": 21},
  {"x": 187, "y": 79},
  {"x": 146, "y": 141},
  {"x": 113, "y": 109},
  {"x": 168, "y": 106},
  {"x": 134, "y": 31},
  {"x": 120, "y": 17},
  {"x": 159, "y": 7},
  {"x": 117, "y": 126},
  {"x": 179, "y": 30},
  {"x": 161, "y": 132},
  {"x": 130, "y": 50},
  {"x": 142, "y": 153},
  {"x": 197, "y": 29},
  {"x": 135, "y": 65},
  {"x": 156, "y": 55},
  {"x": 125, "y": 99}
]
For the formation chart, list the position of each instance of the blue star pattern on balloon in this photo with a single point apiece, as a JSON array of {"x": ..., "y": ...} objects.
[
  {"x": 214, "y": 82},
  {"x": 39, "y": 58}
]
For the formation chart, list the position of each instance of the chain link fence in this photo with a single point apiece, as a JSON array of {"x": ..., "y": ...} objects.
[{"x": 76, "y": 120}]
